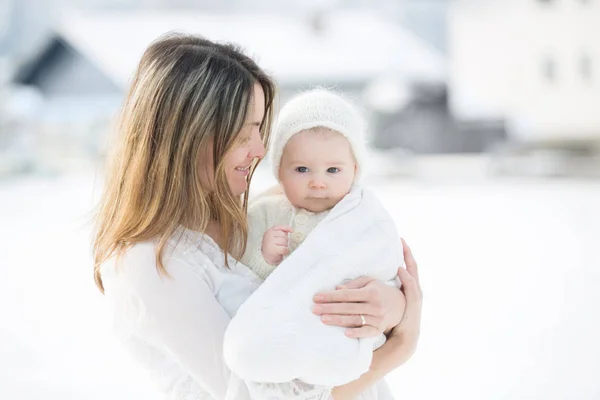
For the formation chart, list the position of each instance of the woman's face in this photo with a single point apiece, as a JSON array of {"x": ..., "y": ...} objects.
[{"x": 249, "y": 145}]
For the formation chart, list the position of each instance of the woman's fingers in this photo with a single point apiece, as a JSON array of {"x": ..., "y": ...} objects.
[
  {"x": 341, "y": 296},
  {"x": 363, "y": 332},
  {"x": 349, "y": 321},
  {"x": 413, "y": 295},
  {"x": 409, "y": 284},
  {"x": 355, "y": 283},
  {"x": 344, "y": 309},
  {"x": 409, "y": 260}
]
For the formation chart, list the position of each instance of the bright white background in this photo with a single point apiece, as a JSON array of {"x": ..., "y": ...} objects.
[{"x": 510, "y": 271}]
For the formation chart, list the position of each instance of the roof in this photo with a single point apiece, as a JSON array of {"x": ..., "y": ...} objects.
[{"x": 352, "y": 47}]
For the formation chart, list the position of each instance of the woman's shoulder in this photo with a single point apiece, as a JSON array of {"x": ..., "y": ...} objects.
[
  {"x": 183, "y": 246},
  {"x": 182, "y": 250},
  {"x": 187, "y": 255}
]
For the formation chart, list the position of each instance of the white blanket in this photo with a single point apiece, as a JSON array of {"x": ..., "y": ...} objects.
[{"x": 275, "y": 337}]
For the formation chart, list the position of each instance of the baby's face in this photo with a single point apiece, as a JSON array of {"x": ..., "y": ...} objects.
[{"x": 317, "y": 169}]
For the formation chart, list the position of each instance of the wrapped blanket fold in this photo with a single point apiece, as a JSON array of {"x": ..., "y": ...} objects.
[{"x": 275, "y": 337}]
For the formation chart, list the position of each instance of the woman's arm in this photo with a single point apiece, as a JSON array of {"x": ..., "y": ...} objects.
[
  {"x": 402, "y": 340},
  {"x": 181, "y": 314},
  {"x": 380, "y": 367}
]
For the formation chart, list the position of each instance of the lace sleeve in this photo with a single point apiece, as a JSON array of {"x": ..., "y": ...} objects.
[
  {"x": 182, "y": 316},
  {"x": 291, "y": 390}
]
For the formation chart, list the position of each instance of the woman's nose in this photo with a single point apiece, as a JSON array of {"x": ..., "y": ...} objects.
[{"x": 258, "y": 149}]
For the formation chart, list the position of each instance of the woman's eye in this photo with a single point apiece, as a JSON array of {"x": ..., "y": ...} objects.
[
  {"x": 333, "y": 170},
  {"x": 302, "y": 169}
]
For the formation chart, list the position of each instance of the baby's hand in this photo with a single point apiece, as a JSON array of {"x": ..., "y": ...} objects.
[{"x": 275, "y": 243}]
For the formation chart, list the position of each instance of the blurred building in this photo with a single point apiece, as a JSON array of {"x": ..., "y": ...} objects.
[
  {"x": 82, "y": 70},
  {"x": 531, "y": 63},
  {"x": 427, "y": 18},
  {"x": 24, "y": 25},
  {"x": 24, "y": 28}
]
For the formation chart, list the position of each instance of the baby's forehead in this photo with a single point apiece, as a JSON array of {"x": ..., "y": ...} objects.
[
  {"x": 308, "y": 141},
  {"x": 320, "y": 132},
  {"x": 323, "y": 152},
  {"x": 318, "y": 136}
]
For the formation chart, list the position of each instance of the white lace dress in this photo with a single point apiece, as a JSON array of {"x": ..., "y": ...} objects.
[{"x": 174, "y": 326}]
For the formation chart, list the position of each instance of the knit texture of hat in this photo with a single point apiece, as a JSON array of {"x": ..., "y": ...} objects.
[{"x": 320, "y": 108}]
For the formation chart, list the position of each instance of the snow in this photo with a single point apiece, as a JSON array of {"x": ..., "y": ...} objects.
[{"x": 509, "y": 269}]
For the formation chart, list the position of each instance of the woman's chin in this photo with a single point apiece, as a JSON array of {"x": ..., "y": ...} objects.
[{"x": 239, "y": 188}]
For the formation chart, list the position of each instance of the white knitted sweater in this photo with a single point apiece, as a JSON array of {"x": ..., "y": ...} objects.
[{"x": 267, "y": 212}]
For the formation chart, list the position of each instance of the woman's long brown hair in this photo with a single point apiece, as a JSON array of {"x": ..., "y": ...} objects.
[{"x": 188, "y": 95}]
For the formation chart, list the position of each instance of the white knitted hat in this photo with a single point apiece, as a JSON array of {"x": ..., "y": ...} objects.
[{"x": 320, "y": 108}]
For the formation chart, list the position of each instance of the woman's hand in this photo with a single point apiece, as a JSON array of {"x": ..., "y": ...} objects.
[
  {"x": 403, "y": 339},
  {"x": 381, "y": 306}
]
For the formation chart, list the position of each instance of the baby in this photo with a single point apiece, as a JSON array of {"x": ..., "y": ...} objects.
[
  {"x": 317, "y": 150},
  {"x": 323, "y": 230}
]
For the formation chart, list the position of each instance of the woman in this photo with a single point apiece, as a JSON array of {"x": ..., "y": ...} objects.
[{"x": 172, "y": 224}]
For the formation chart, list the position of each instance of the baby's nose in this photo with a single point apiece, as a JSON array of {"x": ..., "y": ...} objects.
[{"x": 317, "y": 184}]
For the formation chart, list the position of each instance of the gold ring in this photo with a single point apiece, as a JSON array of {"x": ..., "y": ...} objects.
[{"x": 362, "y": 320}]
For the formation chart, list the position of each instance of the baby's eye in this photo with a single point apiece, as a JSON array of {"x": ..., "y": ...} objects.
[
  {"x": 302, "y": 169},
  {"x": 333, "y": 170}
]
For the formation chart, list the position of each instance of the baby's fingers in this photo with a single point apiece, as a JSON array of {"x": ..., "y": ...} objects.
[{"x": 282, "y": 228}]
